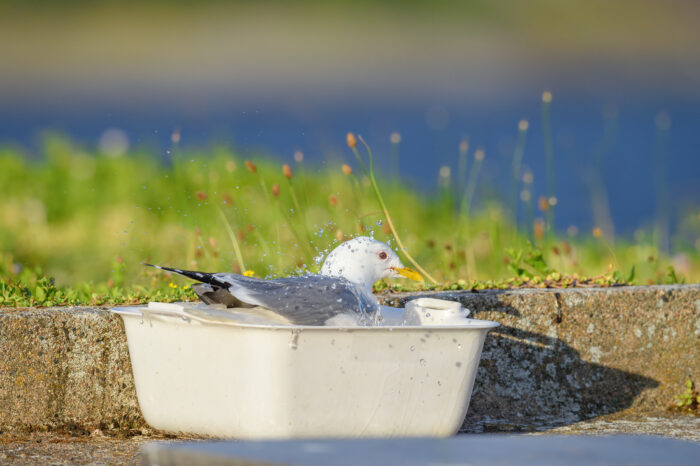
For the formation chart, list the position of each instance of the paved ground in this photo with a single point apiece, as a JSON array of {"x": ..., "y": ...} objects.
[
  {"x": 681, "y": 427},
  {"x": 58, "y": 449},
  {"x": 62, "y": 449},
  {"x": 52, "y": 448}
]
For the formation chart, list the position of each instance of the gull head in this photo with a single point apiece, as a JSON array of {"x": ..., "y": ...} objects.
[{"x": 364, "y": 260}]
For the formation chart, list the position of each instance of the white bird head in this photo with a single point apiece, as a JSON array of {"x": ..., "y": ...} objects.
[{"x": 364, "y": 260}]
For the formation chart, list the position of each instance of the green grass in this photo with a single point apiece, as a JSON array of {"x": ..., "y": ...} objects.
[
  {"x": 687, "y": 402},
  {"x": 75, "y": 226}
]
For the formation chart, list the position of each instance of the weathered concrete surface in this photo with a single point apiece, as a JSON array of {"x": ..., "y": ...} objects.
[
  {"x": 562, "y": 356},
  {"x": 65, "y": 368},
  {"x": 51, "y": 448},
  {"x": 61, "y": 448},
  {"x": 567, "y": 355},
  {"x": 680, "y": 427}
]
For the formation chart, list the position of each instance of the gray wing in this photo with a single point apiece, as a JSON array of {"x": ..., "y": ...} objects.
[{"x": 304, "y": 300}]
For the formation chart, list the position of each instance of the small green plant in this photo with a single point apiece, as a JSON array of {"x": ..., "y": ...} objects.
[
  {"x": 528, "y": 264},
  {"x": 671, "y": 277},
  {"x": 688, "y": 401},
  {"x": 617, "y": 275}
]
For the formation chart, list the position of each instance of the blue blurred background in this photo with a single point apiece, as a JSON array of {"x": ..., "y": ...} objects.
[{"x": 281, "y": 77}]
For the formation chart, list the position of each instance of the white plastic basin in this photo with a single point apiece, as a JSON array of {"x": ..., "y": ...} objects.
[{"x": 198, "y": 370}]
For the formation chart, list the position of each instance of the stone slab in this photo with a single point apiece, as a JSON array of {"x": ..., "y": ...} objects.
[
  {"x": 560, "y": 357},
  {"x": 65, "y": 368}
]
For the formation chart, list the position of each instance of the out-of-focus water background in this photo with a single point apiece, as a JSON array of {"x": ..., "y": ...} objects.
[{"x": 279, "y": 77}]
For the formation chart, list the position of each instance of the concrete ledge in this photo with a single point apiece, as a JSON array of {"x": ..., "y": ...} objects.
[
  {"x": 562, "y": 356},
  {"x": 65, "y": 368},
  {"x": 567, "y": 355}
]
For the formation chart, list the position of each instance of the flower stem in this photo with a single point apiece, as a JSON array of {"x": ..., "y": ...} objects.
[
  {"x": 386, "y": 211},
  {"x": 234, "y": 240}
]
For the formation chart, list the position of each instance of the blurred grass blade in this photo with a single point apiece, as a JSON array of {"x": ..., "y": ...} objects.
[{"x": 234, "y": 241}]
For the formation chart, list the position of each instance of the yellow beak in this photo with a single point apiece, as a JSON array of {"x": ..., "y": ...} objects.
[{"x": 408, "y": 273}]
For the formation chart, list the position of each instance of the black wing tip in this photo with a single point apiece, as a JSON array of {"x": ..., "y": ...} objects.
[
  {"x": 157, "y": 266},
  {"x": 167, "y": 269},
  {"x": 203, "y": 277}
]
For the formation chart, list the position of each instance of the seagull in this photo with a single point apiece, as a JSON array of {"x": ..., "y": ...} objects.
[{"x": 340, "y": 294}]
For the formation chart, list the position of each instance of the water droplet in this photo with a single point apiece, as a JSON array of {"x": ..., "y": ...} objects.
[
  {"x": 294, "y": 340},
  {"x": 439, "y": 383},
  {"x": 423, "y": 362},
  {"x": 459, "y": 346},
  {"x": 413, "y": 348}
]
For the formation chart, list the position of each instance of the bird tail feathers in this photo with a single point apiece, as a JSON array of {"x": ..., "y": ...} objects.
[{"x": 203, "y": 277}]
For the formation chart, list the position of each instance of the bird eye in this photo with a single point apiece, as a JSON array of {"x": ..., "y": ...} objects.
[{"x": 383, "y": 255}]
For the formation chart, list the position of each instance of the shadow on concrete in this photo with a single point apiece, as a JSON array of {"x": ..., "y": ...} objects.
[{"x": 529, "y": 381}]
